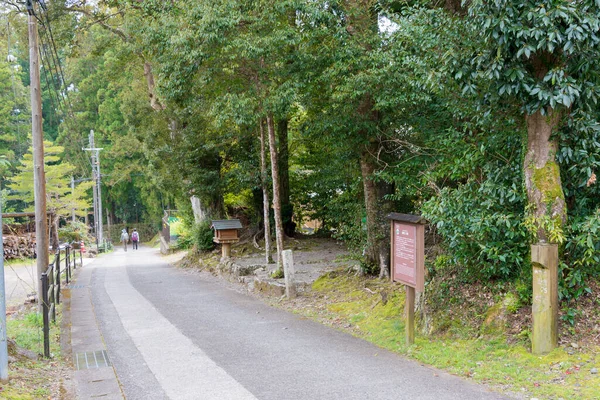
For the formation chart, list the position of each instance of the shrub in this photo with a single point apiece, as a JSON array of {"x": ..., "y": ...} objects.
[
  {"x": 199, "y": 236},
  {"x": 74, "y": 232},
  {"x": 203, "y": 237},
  {"x": 581, "y": 256}
]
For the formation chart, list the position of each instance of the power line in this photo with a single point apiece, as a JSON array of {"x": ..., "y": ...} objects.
[
  {"x": 12, "y": 79},
  {"x": 50, "y": 91},
  {"x": 59, "y": 83},
  {"x": 60, "y": 70}
]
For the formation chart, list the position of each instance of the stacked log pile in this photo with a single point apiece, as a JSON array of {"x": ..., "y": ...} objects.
[{"x": 21, "y": 246}]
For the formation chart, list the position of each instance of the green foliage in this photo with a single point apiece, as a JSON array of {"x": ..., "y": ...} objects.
[
  {"x": 540, "y": 52},
  {"x": 60, "y": 198},
  {"x": 481, "y": 220},
  {"x": 74, "y": 232},
  {"x": 435, "y": 103},
  {"x": 199, "y": 236},
  {"x": 203, "y": 237},
  {"x": 580, "y": 259},
  {"x": 553, "y": 227},
  {"x": 14, "y": 108}
]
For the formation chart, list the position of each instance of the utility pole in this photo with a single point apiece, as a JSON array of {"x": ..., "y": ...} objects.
[
  {"x": 39, "y": 176},
  {"x": 3, "y": 338},
  {"x": 96, "y": 176}
]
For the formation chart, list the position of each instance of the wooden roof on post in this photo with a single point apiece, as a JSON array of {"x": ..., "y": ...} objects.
[{"x": 223, "y": 224}]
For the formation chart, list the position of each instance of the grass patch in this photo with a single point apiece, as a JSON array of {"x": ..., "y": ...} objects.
[
  {"x": 34, "y": 379},
  {"x": 27, "y": 330}
]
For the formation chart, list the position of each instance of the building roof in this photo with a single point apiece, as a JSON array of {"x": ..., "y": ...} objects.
[{"x": 223, "y": 224}]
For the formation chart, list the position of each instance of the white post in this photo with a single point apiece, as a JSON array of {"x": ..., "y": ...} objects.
[{"x": 289, "y": 272}]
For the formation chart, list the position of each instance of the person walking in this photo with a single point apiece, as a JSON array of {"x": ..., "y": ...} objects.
[
  {"x": 135, "y": 237},
  {"x": 124, "y": 238}
]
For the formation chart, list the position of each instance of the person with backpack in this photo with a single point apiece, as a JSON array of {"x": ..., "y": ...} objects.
[
  {"x": 124, "y": 238},
  {"x": 135, "y": 237}
]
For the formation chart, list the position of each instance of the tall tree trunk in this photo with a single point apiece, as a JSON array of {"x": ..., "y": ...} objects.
[
  {"x": 287, "y": 209},
  {"x": 377, "y": 252},
  {"x": 367, "y": 169},
  {"x": 276, "y": 194},
  {"x": 55, "y": 242},
  {"x": 542, "y": 174},
  {"x": 265, "y": 191},
  {"x": 383, "y": 239},
  {"x": 199, "y": 213}
]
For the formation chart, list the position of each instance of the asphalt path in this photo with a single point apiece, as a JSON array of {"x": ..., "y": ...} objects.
[
  {"x": 174, "y": 334},
  {"x": 20, "y": 280}
]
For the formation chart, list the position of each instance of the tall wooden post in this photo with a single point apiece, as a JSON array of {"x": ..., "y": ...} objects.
[
  {"x": 410, "y": 315},
  {"x": 39, "y": 176},
  {"x": 544, "y": 260},
  {"x": 226, "y": 251}
]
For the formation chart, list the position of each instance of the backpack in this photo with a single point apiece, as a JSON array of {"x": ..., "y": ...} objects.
[{"x": 134, "y": 236}]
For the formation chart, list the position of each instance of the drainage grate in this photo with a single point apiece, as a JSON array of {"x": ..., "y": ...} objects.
[
  {"x": 76, "y": 286},
  {"x": 91, "y": 360}
]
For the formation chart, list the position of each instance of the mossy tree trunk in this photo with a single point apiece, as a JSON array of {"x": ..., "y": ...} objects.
[{"x": 542, "y": 175}]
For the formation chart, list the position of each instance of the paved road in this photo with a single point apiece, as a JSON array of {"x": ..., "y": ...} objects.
[
  {"x": 20, "y": 281},
  {"x": 171, "y": 334}
]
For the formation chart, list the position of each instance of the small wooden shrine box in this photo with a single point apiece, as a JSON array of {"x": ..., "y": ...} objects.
[{"x": 226, "y": 232}]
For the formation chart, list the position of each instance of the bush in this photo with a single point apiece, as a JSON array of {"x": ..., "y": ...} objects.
[
  {"x": 482, "y": 227},
  {"x": 203, "y": 237},
  {"x": 74, "y": 232},
  {"x": 581, "y": 256},
  {"x": 199, "y": 236}
]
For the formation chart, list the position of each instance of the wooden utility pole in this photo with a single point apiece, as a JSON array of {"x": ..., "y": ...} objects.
[{"x": 39, "y": 176}]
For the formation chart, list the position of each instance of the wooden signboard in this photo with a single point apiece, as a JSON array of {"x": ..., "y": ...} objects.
[
  {"x": 408, "y": 250},
  {"x": 408, "y": 262}
]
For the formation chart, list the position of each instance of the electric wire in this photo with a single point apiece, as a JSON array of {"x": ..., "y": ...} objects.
[
  {"x": 59, "y": 81},
  {"x": 60, "y": 70},
  {"x": 12, "y": 80},
  {"x": 53, "y": 88},
  {"x": 48, "y": 88}
]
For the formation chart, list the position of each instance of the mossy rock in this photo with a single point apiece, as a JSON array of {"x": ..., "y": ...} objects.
[{"x": 495, "y": 319}]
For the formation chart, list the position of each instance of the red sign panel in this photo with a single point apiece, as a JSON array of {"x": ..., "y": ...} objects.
[{"x": 408, "y": 254}]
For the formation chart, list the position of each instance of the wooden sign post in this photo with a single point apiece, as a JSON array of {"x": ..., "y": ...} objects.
[
  {"x": 408, "y": 261},
  {"x": 544, "y": 260}
]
